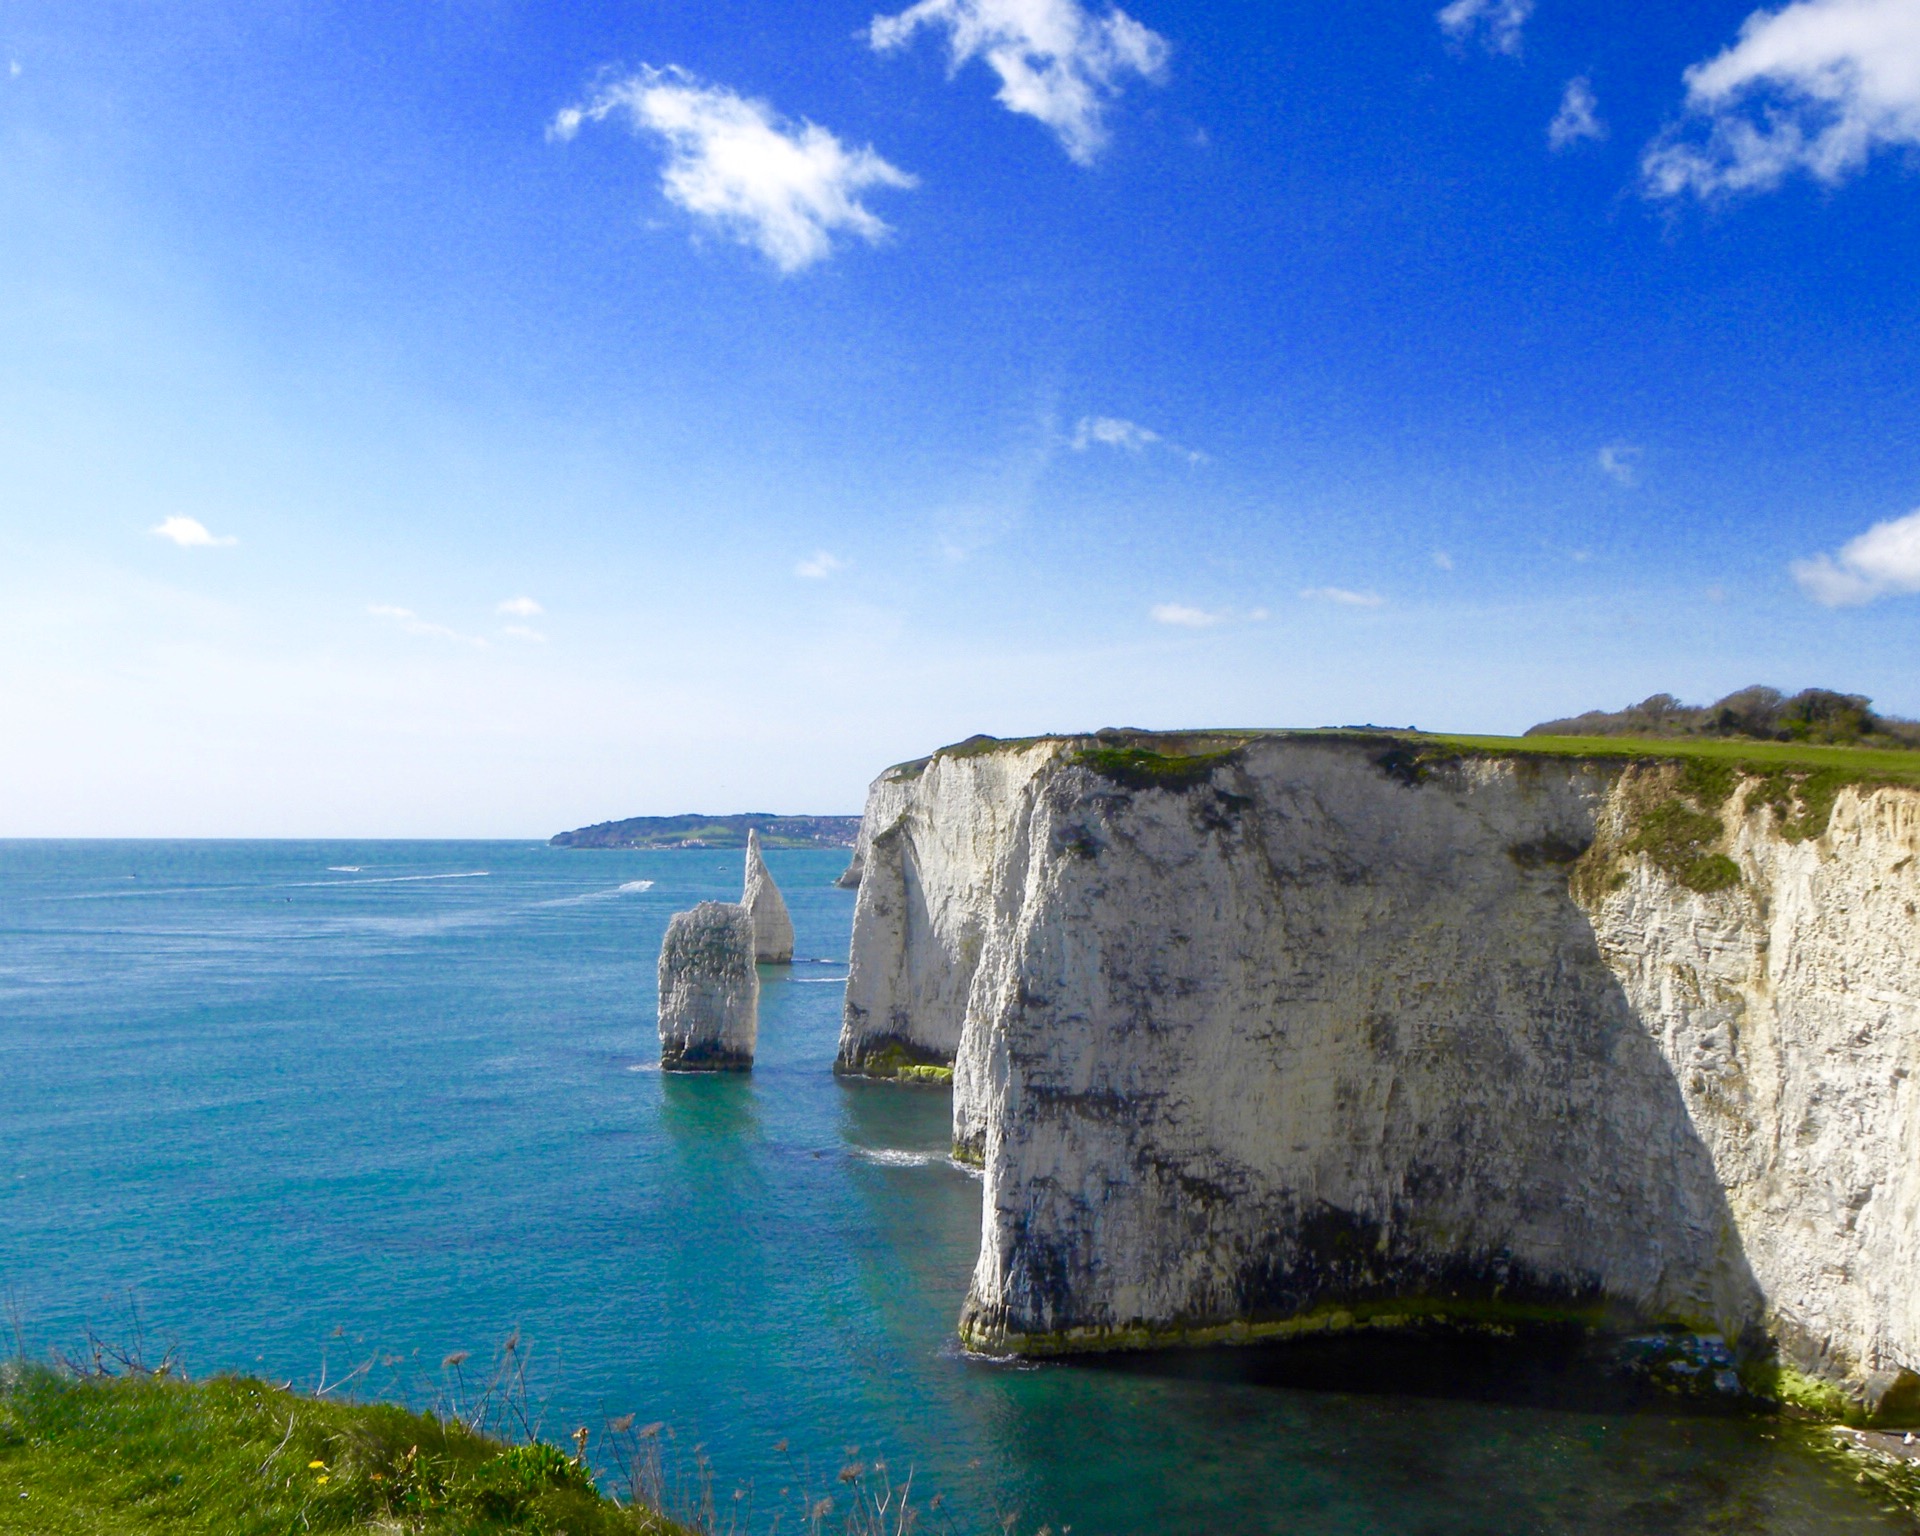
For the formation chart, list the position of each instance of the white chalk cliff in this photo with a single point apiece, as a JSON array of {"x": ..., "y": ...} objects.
[
  {"x": 772, "y": 927},
  {"x": 709, "y": 990},
  {"x": 1261, "y": 1034}
]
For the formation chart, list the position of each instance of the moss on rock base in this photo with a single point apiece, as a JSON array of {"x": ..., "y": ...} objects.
[{"x": 898, "y": 1061}]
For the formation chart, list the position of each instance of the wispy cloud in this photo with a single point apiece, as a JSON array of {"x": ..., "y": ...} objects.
[
  {"x": 1184, "y": 617},
  {"x": 520, "y": 608},
  {"x": 524, "y": 632},
  {"x": 189, "y": 533},
  {"x": 411, "y": 622},
  {"x": 1113, "y": 432},
  {"x": 819, "y": 565},
  {"x": 1882, "y": 562},
  {"x": 1344, "y": 596},
  {"x": 1116, "y": 432},
  {"x": 1817, "y": 86},
  {"x": 1620, "y": 463},
  {"x": 1442, "y": 559},
  {"x": 1497, "y": 23},
  {"x": 1578, "y": 119},
  {"x": 784, "y": 188},
  {"x": 1057, "y": 61}
]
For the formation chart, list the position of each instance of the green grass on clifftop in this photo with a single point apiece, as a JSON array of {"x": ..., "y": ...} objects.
[
  {"x": 1155, "y": 756},
  {"x": 1858, "y": 763},
  {"x": 232, "y": 1457}
]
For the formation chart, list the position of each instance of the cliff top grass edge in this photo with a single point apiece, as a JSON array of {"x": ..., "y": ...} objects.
[
  {"x": 159, "y": 1454},
  {"x": 1179, "y": 754}
]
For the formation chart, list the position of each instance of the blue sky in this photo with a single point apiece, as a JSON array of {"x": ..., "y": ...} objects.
[{"x": 477, "y": 417}]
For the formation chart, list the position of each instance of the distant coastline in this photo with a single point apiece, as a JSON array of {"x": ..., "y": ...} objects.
[{"x": 699, "y": 831}]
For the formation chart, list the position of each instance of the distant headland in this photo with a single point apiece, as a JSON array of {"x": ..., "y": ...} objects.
[{"x": 698, "y": 831}]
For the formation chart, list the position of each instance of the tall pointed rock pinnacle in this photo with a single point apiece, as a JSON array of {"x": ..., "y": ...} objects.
[{"x": 772, "y": 928}]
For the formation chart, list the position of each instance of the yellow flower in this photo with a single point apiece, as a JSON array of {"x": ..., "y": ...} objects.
[
  {"x": 321, "y": 1478},
  {"x": 316, "y": 1466}
]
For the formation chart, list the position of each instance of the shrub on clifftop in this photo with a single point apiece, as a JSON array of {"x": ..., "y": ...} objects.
[{"x": 1815, "y": 715}]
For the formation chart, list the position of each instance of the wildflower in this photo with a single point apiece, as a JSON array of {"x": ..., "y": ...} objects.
[{"x": 316, "y": 1466}]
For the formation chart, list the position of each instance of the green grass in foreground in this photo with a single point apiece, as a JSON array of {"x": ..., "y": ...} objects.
[{"x": 103, "y": 1457}]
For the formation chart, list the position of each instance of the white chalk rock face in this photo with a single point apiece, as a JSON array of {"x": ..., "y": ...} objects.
[
  {"x": 772, "y": 927},
  {"x": 941, "y": 851},
  {"x": 1261, "y": 1035},
  {"x": 709, "y": 990}
]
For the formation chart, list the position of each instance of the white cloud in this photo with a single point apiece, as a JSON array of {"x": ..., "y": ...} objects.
[
  {"x": 1442, "y": 559},
  {"x": 1344, "y": 596},
  {"x": 785, "y": 189},
  {"x": 189, "y": 533},
  {"x": 1114, "y": 432},
  {"x": 520, "y": 608},
  {"x": 1496, "y": 22},
  {"x": 819, "y": 566},
  {"x": 1578, "y": 119},
  {"x": 1057, "y": 62},
  {"x": 1620, "y": 463},
  {"x": 413, "y": 624},
  {"x": 1817, "y": 87},
  {"x": 1184, "y": 617},
  {"x": 524, "y": 632},
  {"x": 1883, "y": 561}
]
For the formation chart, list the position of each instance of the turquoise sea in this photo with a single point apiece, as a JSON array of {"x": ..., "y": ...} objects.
[{"x": 306, "y": 1105}]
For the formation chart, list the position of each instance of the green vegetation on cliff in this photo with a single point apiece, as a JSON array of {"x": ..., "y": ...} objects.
[
  {"x": 1846, "y": 765},
  {"x": 102, "y": 1456},
  {"x": 1816, "y": 716},
  {"x": 1684, "y": 780},
  {"x": 1147, "y": 759}
]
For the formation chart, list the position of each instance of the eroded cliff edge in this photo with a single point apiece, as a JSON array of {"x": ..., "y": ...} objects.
[{"x": 1252, "y": 1034}]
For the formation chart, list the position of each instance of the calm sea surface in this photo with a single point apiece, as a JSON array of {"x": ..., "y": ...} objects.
[{"x": 313, "y": 1103}]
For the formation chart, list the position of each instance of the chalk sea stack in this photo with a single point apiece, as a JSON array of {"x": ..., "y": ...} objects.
[
  {"x": 772, "y": 928},
  {"x": 709, "y": 990}
]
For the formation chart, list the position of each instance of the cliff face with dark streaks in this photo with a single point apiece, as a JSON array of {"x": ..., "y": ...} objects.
[{"x": 1261, "y": 1034}]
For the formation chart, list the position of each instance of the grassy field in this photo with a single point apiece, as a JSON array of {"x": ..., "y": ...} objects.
[
  {"x": 1853, "y": 764},
  {"x": 231, "y": 1457},
  {"x": 1857, "y": 763}
]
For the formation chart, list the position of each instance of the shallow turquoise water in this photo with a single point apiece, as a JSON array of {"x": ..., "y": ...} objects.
[{"x": 306, "y": 1113}]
